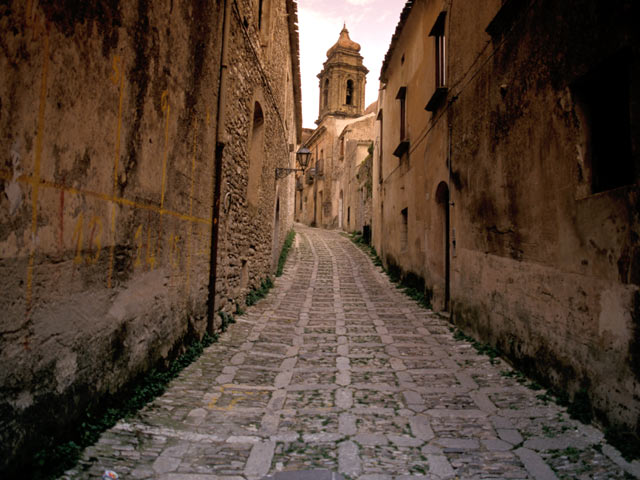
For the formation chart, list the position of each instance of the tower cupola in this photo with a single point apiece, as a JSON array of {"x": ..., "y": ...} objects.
[{"x": 342, "y": 80}]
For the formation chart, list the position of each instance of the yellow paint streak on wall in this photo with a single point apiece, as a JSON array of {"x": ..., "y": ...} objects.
[
  {"x": 166, "y": 108},
  {"x": 117, "y": 79},
  {"x": 36, "y": 171},
  {"x": 4, "y": 175}
]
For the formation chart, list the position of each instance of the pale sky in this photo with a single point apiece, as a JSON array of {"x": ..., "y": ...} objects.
[{"x": 371, "y": 23}]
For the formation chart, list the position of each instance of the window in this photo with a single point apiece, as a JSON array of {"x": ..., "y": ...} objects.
[
  {"x": 325, "y": 94},
  {"x": 402, "y": 97},
  {"x": 349, "y": 99},
  {"x": 441, "y": 50},
  {"x": 605, "y": 124},
  {"x": 349, "y": 216},
  {"x": 260, "y": 14},
  {"x": 440, "y": 67},
  {"x": 404, "y": 232},
  {"x": 403, "y": 146}
]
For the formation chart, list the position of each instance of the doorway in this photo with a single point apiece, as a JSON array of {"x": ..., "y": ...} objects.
[{"x": 442, "y": 198}]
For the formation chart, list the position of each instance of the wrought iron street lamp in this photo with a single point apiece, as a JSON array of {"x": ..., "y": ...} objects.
[{"x": 302, "y": 156}]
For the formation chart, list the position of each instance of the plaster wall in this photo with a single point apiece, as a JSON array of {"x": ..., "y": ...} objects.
[
  {"x": 546, "y": 267},
  {"x": 542, "y": 265},
  {"x": 410, "y": 181}
]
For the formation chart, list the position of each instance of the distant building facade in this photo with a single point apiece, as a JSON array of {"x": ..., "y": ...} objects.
[
  {"x": 506, "y": 176},
  {"x": 138, "y": 194},
  {"x": 330, "y": 193}
]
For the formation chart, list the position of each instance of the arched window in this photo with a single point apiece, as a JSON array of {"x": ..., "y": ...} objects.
[
  {"x": 260, "y": 14},
  {"x": 256, "y": 154},
  {"x": 349, "y": 99},
  {"x": 325, "y": 94}
]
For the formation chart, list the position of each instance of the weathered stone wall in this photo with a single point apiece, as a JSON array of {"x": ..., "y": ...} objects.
[
  {"x": 108, "y": 111},
  {"x": 547, "y": 269},
  {"x": 259, "y": 72},
  {"x": 542, "y": 264}
]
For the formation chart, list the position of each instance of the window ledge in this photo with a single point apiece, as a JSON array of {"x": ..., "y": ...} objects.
[
  {"x": 402, "y": 148},
  {"x": 436, "y": 99}
]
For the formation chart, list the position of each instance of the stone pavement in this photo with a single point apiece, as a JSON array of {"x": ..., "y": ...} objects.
[{"x": 337, "y": 370}]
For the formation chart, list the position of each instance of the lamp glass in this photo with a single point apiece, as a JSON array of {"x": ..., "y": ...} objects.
[{"x": 303, "y": 157}]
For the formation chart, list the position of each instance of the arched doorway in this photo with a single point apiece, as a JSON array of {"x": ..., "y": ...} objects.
[
  {"x": 442, "y": 198},
  {"x": 340, "y": 207},
  {"x": 256, "y": 154}
]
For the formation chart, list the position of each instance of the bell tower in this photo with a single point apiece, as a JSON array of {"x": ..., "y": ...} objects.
[{"x": 342, "y": 80}]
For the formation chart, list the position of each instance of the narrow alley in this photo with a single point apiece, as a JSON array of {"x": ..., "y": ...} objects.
[{"x": 338, "y": 370}]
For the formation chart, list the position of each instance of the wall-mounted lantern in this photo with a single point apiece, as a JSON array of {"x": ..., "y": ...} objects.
[{"x": 302, "y": 156}]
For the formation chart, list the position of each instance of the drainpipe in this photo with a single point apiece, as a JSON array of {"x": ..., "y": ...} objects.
[{"x": 220, "y": 144}]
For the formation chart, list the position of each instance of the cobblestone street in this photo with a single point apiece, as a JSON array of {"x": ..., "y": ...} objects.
[{"x": 338, "y": 370}]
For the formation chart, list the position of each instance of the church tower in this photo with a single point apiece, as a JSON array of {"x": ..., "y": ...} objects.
[{"x": 342, "y": 80}]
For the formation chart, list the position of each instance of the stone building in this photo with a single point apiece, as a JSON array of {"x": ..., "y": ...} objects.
[
  {"x": 506, "y": 177},
  {"x": 328, "y": 194},
  {"x": 138, "y": 194}
]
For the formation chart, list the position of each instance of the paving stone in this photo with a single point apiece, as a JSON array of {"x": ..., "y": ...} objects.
[
  {"x": 347, "y": 424},
  {"x": 440, "y": 466},
  {"x": 343, "y": 378},
  {"x": 535, "y": 465},
  {"x": 342, "y": 363},
  {"x": 510, "y": 435},
  {"x": 260, "y": 459},
  {"x": 405, "y": 441},
  {"x": 496, "y": 445},
  {"x": 336, "y": 373},
  {"x": 344, "y": 398},
  {"x": 421, "y": 428},
  {"x": 371, "y": 439},
  {"x": 459, "y": 444},
  {"x": 348, "y": 459},
  {"x": 164, "y": 464}
]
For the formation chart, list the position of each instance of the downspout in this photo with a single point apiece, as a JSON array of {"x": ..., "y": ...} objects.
[{"x": 220, "y": 144}]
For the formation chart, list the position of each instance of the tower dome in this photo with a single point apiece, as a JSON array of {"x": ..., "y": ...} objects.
[{"x": 344, "y": 42}]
